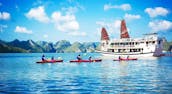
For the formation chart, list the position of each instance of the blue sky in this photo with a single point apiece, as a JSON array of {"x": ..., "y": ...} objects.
[{"x": 82, "y": 20}]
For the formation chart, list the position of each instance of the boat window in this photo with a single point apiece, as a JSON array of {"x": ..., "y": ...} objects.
[
  {"x": 112, "y": 43},
  {"x": 147, "y": 43},
  {"x": 110, "y": 50},
  {"x": 153, "y": 42},
  {"x": 123, "y": 51},
  {"x": 119, "y": 50}
]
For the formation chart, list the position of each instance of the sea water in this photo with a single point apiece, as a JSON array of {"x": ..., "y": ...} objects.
[{"x": 19, "y": 73}]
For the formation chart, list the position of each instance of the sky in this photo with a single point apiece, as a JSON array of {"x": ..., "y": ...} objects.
[{"x": 82, "y": 20}]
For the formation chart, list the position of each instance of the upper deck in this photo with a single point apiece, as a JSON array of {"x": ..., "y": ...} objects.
[{"x": 147, "y": 40}]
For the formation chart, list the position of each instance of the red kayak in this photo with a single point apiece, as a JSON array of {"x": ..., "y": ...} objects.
[
  {"x": 94, "y": 60},
  {"x": 49, "y": 61},
  {"x": 123, "y": 59}
]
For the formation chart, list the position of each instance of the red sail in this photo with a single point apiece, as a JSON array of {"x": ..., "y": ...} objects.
[
  {"x": 124, "y": 32},
  {"x": 104, "y": 34}
]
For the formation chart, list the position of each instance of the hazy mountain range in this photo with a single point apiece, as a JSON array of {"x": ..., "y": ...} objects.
[{"x": 30, "y": 46}]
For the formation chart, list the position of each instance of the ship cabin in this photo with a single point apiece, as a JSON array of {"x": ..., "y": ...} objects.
[{"x": 137, "y": 45}]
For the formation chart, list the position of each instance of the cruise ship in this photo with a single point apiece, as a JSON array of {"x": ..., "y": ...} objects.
[{"x": 149, "y": 45}]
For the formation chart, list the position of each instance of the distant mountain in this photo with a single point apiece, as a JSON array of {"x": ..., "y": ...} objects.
[
  {"x": 75, "y": 47},
  {"x": 167, "y": 46},
  {"x": 43, "y": 46},
  {"x": 28, "y": 45},
  {"x": 61, "y": 46},
  {"x": 91, "y": 46},
  {"x": 4, "y": 48},
  {"x": 46, "y": 46}
]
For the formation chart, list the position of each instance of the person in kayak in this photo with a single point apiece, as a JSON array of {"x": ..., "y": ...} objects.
[
  {"x": 119, "y": 58},
  {"x": 127, "y": 57},
  {"x": 90, "y": 58},
  {"x": 43, "y": 57},
  {"x": 79, "y": 57},
  {"x": 52, "y": 58}
]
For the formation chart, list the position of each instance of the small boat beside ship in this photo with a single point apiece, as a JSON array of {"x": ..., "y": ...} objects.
[{"x": 125, "y": 59}]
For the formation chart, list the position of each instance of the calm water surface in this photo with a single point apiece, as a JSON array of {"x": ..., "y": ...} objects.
[{"x": 20, "y": 74}]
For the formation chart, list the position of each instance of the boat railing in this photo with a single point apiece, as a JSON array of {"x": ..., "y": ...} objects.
[{"x": 126, "y": 46}]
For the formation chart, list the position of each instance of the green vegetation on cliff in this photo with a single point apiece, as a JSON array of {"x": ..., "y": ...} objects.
[
  {"x": 9, "y": 49},
  {"x": 43, "y": 46},
  {"x": 167, "y": 46}
]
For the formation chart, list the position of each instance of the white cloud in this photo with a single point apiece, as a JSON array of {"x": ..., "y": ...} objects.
[
  {"x": 160, "y": 25},
  {"x": 38, "y": 14},
  {"x": 131, "y": 16},
  {"x": 37, "y": 2},
  {"x": 124, "y": 7},
  {"x": 76, "y": 33},
  {"x": 73, "y": 9},
  {"x": 45, "y": 36},
  {"x": 65, "y": 23},
  {"x": 111, "y": 27},
  {"x": 4, "y": 16},
  {"x": 75, "y": 6},
  {"x": 70, "y": 10},
  {"x": 158, "y": 11},
  {"x": 2, "y": 27},
  {"x": 20, "y": 29},
  {"x": 117, "y": 24},
  {"x": 101, "y": 23}
]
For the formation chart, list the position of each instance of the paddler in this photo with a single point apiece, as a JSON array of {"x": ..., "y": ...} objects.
[
  {"x": 52, "y": 58},
  {"x": 119, "y": 57},
  {"x": 79, "y": 57},
  {"x": 43, "y": 57},
  {"x": 90, "y": 58},
  {"x": 127, "y": 57}
]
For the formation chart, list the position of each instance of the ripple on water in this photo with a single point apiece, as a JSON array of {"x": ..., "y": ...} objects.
[{"x": 20, "y": 74}]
